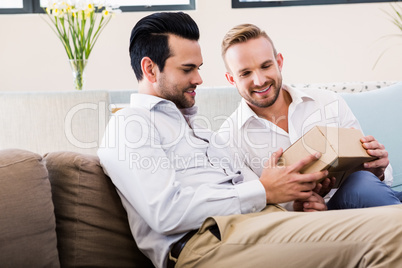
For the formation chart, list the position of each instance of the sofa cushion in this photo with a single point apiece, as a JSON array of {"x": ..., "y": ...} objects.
[
  {"x": 27, "y": 222},
  {"x": 379, "y": 113},
  {"x": 92, "y": 225}
]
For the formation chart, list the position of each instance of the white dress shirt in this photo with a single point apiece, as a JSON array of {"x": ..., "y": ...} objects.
[
  {"x": 253, "y": 139},
  {"x": 171, "y": 176}
]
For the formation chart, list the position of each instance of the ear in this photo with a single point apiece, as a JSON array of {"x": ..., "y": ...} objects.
[
  {"x": 148, "y": 69},
  {"x": 230, "y": 79},
  {"x": 279, "y": 60}
]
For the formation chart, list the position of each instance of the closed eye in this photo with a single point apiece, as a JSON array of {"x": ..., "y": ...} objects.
[
  {"x": 244, "y": 74},
  {"x": 190, "y": 67}
]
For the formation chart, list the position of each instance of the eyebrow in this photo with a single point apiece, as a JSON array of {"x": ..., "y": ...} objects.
[{"x": 191, "y": 65}]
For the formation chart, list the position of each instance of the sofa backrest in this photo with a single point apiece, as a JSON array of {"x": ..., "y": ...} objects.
[
  {"x": 379, "y": 113},
  {"x": 215, "y": 105},
  {"x": 44, "y": 122}
]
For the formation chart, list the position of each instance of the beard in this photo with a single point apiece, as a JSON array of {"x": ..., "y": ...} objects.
[
  {"x": 268, "y": 101},
  {"x": 176, "y": 94}
]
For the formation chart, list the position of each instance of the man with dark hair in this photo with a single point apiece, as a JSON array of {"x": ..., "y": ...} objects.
[
  {"x": 188, "y": 209},
  {"x": 150, "y": 38}
]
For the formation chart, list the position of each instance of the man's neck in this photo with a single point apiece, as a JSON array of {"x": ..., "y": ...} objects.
[{"x": 278, "y": 112}]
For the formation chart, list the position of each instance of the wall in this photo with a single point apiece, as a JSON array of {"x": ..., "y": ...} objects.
[{"x": 320, "y": 44}]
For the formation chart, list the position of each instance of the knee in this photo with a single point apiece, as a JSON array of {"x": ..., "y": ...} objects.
[
  {"x": 362, "y": 178},
  {"x": 362, "y": 184}
]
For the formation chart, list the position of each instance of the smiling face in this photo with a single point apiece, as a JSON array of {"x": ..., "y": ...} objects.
[
  {"x": 256, "y": 71},
  {"x": 180, "y": 76}
]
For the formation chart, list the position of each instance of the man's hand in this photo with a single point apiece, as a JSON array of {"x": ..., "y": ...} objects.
[
  {"x": 285, "y": 183},
  {"x": 311, "y": 204},
  {"x": 374, "y": 148},
  {"x": 325, "y": 186}
]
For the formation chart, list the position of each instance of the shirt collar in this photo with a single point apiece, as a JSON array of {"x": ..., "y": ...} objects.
[
  {"x": 149, "y": 102},
  {"x": 246, "y": 113}
]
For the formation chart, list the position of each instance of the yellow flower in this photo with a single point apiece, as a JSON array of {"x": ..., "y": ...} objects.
[
  {"x": 105, "y": 13},
  {"x": 57, "y": 12}
]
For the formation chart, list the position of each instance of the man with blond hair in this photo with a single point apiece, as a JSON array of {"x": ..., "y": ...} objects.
[{"x": 272, "y": 116}]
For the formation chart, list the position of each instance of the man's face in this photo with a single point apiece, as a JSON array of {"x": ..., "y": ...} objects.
[
  {"x": 255, "y": 71},
  {"x": 180, "y": 75}
]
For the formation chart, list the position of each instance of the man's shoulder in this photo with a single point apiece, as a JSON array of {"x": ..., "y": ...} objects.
[
  {"x": 318, "y": 94},
  {"x": 316, "y": 91}
]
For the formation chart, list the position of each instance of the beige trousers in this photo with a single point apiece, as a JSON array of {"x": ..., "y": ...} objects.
[{"x": 370, "y": 237}]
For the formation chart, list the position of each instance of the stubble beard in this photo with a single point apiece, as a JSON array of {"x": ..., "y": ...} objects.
[
  {"x": 267, "y": 102},
  {"x": 176, "y": 95}
]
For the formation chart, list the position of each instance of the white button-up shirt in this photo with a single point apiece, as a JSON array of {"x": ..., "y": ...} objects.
[
  {"x": 253, "y": 139},
  {"x": 171, "y": 176}
]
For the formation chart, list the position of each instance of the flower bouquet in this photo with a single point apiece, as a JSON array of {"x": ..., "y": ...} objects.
[{"x": 78, "y": 24}]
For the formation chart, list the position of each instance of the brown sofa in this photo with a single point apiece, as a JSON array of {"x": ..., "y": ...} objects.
[{"x": 61, "y": 210}]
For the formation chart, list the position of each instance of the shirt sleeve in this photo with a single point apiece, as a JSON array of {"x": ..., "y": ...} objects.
[{"x": 139, "y": 167}]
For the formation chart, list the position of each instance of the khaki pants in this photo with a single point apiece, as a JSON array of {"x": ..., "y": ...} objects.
[{"x": 370, "y": 237}]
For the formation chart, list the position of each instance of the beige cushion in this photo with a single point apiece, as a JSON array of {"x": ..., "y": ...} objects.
[
  {"x": 92, "y": 225},
  {"x": 27, "y": 223}
]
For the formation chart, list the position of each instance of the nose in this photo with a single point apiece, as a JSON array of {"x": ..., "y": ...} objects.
[
  {"x": 259, "y": 78},
  {"x": 197, "y": 80}
]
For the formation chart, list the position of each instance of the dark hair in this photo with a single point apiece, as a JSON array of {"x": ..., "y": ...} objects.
[{"x": 149, "y": 37}]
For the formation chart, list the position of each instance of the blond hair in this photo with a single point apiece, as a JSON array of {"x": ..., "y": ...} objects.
[{"x": 240, "y": 34}]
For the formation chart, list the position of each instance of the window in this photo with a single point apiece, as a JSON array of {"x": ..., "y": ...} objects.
[
  {"x": 154, "y": 5},
  {"x": 16, "y": 6},
  {"x": 275, "y": 3},
  {"x": 35, "y": 6}
]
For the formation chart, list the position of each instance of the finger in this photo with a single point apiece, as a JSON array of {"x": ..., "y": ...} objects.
[
  {"x": 304, "y": 195},
  {"x": 325, "y": 187},
  {"x": 314, "y": 203},
  {"x": 368, "y": 138},
  {"x": 318, "y": 188},
  {"x": 373, "y": 145},
  {"x": 273, "y": 160},
  {"x": 379, "y": 153},
  {"x": 313, "y": 207},
  {"x": 325, "y": 183},
  {"x": 375, "y": 165},
  {"x": 312, "y": 177},
  {"x": 310, "y": 206},
  {"x": 304, "y": 162},
  {"x": 380, "y": 163},
  {"x": 332, "y": 183}
]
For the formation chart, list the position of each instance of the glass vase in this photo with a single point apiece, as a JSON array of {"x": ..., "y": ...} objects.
[{"x": 78, "y": 69}]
